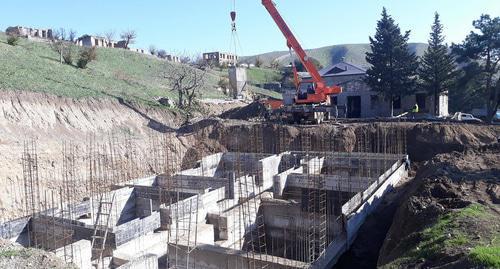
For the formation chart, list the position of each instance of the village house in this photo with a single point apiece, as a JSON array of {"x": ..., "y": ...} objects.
[
  {"x": 174, "y": 59},
  {"x": 29, "y": 32},
  {"x": 360, "y": 101},
  {"x": 219, "y": 58},
  {"x": 94, "y": 41}
]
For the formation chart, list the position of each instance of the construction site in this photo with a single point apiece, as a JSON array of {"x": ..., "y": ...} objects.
[
  {"x": 344, "y": 156},
  {"x": 235, "y": 209}
]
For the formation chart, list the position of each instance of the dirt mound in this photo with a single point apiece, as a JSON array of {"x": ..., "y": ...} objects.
[
  {"x": 451, "y": 216},
  {"x": 13, "y": 255},
  {"x": 254, "y": 110},
  {"x": 429, "y": 139}
]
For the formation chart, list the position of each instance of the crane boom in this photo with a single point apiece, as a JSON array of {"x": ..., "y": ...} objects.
[{"x": 321, "y": 90}]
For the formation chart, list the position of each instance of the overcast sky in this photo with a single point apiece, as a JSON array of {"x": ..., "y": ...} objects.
[{"x": 189, "y": 27}]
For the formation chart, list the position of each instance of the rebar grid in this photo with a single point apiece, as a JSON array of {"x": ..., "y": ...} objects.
[{"x": 117, "y": 159}]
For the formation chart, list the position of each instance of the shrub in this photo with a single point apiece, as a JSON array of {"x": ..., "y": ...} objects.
[
  {"x": 162, "y": 54},
  {"x": 223, "y": 83},
  {"x": 68, "y": 55},
  {"x": 86, "y": 56},
  {"x": 13, "y": 40}
]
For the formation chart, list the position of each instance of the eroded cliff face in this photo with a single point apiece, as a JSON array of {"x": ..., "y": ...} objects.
[{"x": 53, "y": 120}]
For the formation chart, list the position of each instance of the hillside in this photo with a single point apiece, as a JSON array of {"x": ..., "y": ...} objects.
[
  {"x": 33, "y": 66},
  {"x": 352, "y": 53}
]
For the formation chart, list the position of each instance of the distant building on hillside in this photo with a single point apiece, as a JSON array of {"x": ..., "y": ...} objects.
[
  {"x": 94, "y": 41},
  {"x": 30, "y": 32},
  {"x": 102, "y": 42},
  {"x": 142, "y": 51},
  {"x": 361, "y": 101},
  {"x": 172, "y": 58},
  {"x": 219, "y": 58}
]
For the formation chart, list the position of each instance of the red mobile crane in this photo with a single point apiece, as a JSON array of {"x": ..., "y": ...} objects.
[{"x": 313, "y": 104}]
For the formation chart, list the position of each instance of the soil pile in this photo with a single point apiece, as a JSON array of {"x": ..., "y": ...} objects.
[
  {"x": 451, "y": 218},
  {"x": 13, "y": 255},
  {"x": 255, "y": 110},
  {"x": 425, "y": 140}
]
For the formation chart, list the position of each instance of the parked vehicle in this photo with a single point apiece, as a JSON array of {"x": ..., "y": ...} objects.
[{"x": 459, "y": 116}]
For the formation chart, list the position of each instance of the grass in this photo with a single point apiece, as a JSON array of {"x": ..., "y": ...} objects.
[
  {"x": 449, "y": 232},
  {"x": 263, "y": 75},
  {"x": 486, "y": 256},
  {"x": 265, "y": 92},
  {"x": 10, "y": 253},
  {"x": 33, "y": 66}
]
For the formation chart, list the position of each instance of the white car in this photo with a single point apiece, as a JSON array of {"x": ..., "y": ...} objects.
[{"x": 459, "y": 116}]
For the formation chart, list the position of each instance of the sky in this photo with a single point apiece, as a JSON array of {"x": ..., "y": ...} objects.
[{"x": 196, "y": 26}]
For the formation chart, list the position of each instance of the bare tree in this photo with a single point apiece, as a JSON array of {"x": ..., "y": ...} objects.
[
  {"x": 185, "y": 59},
  {"x": 162, "y": 53},
  {"x": 129, "y": 36},
  {"x": 62, "y": 33},
  {"x": 153, "y": 50},
  {"x": 110, "y": 36},
  {"x": 72, "y": 35},
  {"x": 59, "y": 46},
  {"x": 56, "y": 35},
  {"x": 187, "y": 82}
]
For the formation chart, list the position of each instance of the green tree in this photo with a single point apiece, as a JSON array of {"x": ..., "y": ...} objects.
[
  {"x": 482, "y": 48},
  {"x": 258, "y": 62},
  {"x": 393, "y": 67},
  {"x": 437, "y": 71},
  {"x": 87, "y": 55},
  {"x": 13, "y": 39}
]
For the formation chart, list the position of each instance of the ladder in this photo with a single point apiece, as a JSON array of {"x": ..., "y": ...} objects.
[
  {"x": 101, "y": 228},
  {"x": 322, "y": 218}
]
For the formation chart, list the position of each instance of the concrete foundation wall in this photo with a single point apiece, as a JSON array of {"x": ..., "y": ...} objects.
[
  {"x": 14, "y": 229},
  {"x": 333, "y": 183},
  {"x": 357, "y": 218},
  {"x": 270, "y": 168},
  {"x": 136, "y": 228},
  {"x": 148, "y": 261},
  {"x": 81, "y": 253},
  {"x": 206, "y": 167},
  {"x": 281, "y": 179},
  {"x": 363, "y": 203},
  {"x": 281, "y": 216},
  {"x": 213, "y": 257},
  {"x": 143, "y": 207}
]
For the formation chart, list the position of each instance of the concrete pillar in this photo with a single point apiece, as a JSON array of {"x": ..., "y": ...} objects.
[{"x": 82, "y": 253}]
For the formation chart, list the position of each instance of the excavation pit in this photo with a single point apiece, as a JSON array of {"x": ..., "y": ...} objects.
[{"x": 231, "y": 210}]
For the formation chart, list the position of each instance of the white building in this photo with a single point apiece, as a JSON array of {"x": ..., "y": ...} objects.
[
  {"x": 362, "y": 102},
  {"x": 94, "y": 41}
]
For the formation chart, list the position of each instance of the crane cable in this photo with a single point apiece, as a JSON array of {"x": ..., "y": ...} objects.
[{"x": 235, "y": 39}]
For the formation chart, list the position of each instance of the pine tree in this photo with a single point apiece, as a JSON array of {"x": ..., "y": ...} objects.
[
  {"x": 393, "y": 67},
  {"x": 481, "y": 48},
  {"x": 438, "y": 69}
]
